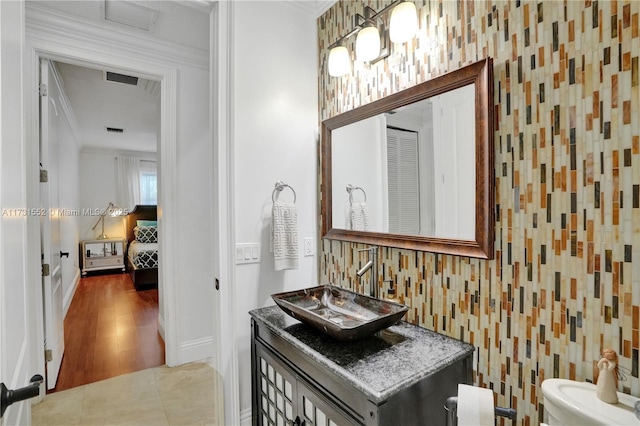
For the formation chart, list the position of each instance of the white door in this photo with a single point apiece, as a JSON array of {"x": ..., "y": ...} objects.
[
  {"x": 455, "y": 182},
  {"x": 15, "y": 343},
  {"x": 50, "y": 230}
]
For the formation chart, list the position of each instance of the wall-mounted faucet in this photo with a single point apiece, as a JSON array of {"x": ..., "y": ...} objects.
[{"x": 372, "y": 265}]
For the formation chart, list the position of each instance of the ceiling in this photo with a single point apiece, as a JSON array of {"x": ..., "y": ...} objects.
[
  {"x": 98, "y": 104},
  {"x": 182, "y": 22}
]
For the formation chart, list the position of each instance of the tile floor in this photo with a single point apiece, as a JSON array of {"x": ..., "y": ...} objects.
[{"x": 182, "y": 395}]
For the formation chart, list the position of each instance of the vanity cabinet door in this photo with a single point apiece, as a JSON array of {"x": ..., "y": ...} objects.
[
  {"x": 277, "y": 405},
  {"x": 315, "y": 410},
  {"x": 286, "y": 399}
]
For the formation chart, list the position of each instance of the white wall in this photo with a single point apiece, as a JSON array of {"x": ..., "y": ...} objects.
[
  {"x": 193, "y": 198},
  {"x": 276, "y": 138},
  {"x": 358, "y": 157},
  {"x": 97, "y": 190},
  {"x": 98, "y": 187}
]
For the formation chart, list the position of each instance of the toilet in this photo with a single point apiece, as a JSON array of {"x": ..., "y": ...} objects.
[{"x": 567, "y": 402}]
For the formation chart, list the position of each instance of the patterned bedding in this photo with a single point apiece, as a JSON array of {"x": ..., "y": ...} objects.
[{"x": 143, "y": 255}]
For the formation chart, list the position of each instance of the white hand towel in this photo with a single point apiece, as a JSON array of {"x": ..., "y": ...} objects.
[
  {"x": 475, "y": 406},
  {"x": 284, "y": 236},
  {"x": 357, "y": 217}
]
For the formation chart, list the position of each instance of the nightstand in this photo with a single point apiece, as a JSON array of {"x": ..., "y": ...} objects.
[{"x": 99, "y": 255}]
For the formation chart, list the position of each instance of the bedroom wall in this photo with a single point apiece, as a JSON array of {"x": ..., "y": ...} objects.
[
  {"x": 565, "y": 280},
  {"x": 97, "y": 190},
  {"x": 98, "y": 187},
  {"x": 275, "y": 139}
]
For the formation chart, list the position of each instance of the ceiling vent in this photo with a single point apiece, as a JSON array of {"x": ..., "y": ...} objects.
[
  {"x": 114, "y": 130},
  {"x": 130, "y": 14},
  {"x": 120, "y": 78}
]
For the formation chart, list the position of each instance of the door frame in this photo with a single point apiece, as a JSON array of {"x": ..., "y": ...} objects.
[
  {"x": 52, "y": 50},
  {"x": 222, "y": 121},
  {"x": 42, "y": 44}
]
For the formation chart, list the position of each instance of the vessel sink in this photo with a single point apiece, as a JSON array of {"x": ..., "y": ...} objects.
[
  {"x": 342, "y": 314},
  {"x": 568, "y": 402}
]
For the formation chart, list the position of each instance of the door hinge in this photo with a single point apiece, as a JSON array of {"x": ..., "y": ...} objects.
[
  {"x": 44, "y": 176},
  {"x": 45, "y": 270},
  {"x": 48, "y": 355},
  {"x": 42, "y": 89}
]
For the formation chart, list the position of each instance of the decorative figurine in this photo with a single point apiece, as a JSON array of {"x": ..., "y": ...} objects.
[{"x": 607, "y": 377}]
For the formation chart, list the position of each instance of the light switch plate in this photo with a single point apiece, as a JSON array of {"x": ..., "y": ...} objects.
[{"x": 247, "y": 253}]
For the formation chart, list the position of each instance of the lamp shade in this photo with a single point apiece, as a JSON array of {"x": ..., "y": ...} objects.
[
  {"x": 368, "y": 44},
  {"x": 403, "y": 24},
  {"x": 339, "y": 63}
]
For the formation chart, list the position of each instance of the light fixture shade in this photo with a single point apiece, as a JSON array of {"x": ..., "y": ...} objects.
[
  {"x": 403, "y": 24},
  {"x": 339, "y": 63},
  {"x": 368, "y": 44}
]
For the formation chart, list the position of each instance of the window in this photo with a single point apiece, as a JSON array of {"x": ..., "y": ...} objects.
[{"x": 148, "y": 183}]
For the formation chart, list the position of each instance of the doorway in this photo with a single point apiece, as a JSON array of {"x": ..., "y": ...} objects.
[
  {"x": 110, "y": 328},
  {"x": 167, "y": 175}
]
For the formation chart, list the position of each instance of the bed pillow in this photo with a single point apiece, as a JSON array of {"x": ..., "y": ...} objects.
[
  {"x": 146, "y": 234},
  {"x": 147, "y": 222}
]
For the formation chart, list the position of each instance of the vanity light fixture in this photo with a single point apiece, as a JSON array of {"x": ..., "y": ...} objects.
[
  {"x": 403, "y": 27},
  {"x": 339, "y": 62},
  {"x": 403, "y": 23},
  {"x": 368, "y": 42}
]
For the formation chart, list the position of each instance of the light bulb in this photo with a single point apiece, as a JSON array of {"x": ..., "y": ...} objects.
[
  {"x": 404, "y": 22},
  {"x": 368, "y": 44},
  {"x": 339, "y": 64}
]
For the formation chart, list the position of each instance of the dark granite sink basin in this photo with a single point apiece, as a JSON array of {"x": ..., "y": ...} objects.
[{"x": 340, "y": 313}]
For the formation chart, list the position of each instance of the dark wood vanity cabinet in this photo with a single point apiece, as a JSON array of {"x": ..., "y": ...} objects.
[
  {"x": 401, "y": 376},
  {"x": 284, "y": 398}
]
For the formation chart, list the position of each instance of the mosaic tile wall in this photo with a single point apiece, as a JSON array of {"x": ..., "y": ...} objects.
[{"x": 565, "y": 280}]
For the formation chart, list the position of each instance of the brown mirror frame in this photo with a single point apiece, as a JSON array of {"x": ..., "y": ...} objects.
[{"x": 481, "y": 75}]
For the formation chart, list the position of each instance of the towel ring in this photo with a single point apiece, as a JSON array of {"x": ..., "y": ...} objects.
[
  {"x": 279, "y": 187},
  {"x": 351, "y": 188}
]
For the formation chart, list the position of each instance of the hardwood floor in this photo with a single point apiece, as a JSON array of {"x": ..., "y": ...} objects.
[{"x": 110, "y": 329}]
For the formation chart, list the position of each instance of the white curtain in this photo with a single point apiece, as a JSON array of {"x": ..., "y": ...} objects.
[{"x": 128, "y": 182}]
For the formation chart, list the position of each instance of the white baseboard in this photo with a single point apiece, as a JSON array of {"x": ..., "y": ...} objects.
[
  {"x": 68, "y": 297},
  {"x": 194, "y": 350},
  {"x": 161, "y": 326},
  {"x": 245, "y": 417}
]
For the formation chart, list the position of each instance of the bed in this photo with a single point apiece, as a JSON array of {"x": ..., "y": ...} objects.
[{"x": 142, "y": 248}]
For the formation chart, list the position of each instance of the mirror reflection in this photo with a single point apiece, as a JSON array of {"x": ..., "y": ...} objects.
[
  {"x": 415, "y": 169},
  {"x": 410, "y": 170}
]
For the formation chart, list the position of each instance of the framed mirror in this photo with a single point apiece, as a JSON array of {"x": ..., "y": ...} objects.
[{"x": 415, "y": 169}]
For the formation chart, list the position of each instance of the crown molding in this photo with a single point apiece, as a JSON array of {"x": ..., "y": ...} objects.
[
  {"x": 323, "y": 6},
  {"x": 143, "y": 155},
  {"x": 48, "y": 25},
  {"x": 65, "y": 105},
  {"x": 315, "y": 8}
]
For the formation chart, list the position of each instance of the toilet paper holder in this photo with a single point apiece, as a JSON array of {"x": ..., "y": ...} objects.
[{"x": 451, "y": 407}]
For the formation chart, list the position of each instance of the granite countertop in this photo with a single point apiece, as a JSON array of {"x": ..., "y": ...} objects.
[{"x": 380, "y": 365}]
